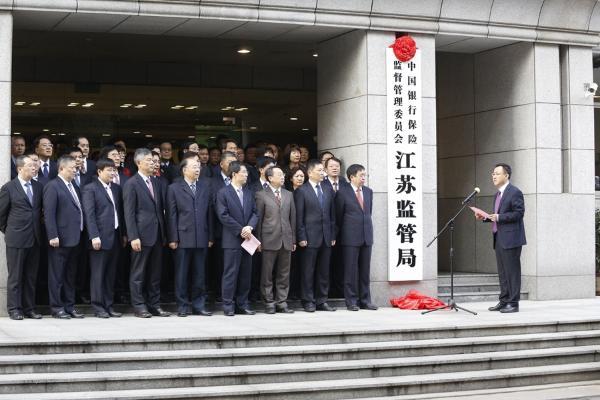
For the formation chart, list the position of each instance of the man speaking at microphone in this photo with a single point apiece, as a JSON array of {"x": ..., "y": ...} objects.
[{"x": 509, "y": 237}]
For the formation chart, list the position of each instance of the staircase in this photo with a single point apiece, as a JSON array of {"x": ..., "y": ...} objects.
[
  {"x": 327, "y": 365},
  {"x": 471, "y": 287}
]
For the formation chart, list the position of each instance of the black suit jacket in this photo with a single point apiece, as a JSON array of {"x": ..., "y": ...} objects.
[
  {"x": 20, "y": 221},
  {"x": 170, "y": 171},
  {"x": 355, "y": 226},
  {"x": 233, "y": 217},
  {"x": 216, "y": 184},
  {"x": 190, "y": 217},
  {"x": 341, "y": 182},
  {"x": 13, "y": 169},
  {"x": 313, "y": 223},
  {"x": 52, "y": 172},
  {"x": 144, "y": 214},
  {"x": 511, "y": 230},
  {"x": 100, "y": 213},
  {"x": 61, "y": 214}
]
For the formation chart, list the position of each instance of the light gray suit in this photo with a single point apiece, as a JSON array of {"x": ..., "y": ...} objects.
[{"x": 276, "y": 229}]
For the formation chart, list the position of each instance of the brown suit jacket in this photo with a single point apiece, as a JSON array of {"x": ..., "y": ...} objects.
[{"x": 276, "y": 225}]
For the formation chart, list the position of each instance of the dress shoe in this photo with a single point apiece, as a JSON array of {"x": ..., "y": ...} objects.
[
  {"x": 309, "y": 308},
  {"x": 76, "y": 314},
  {"x": 245, "y": 311},
  {"x": 102, "y": 314},
  {"x": 32, "y": 315},
  {"x": 142, "y": 314},
  {"x": 285, "y": 310},
  {"x": 229, "y": 313},
  {"x": 114, "y": 313},
  {"x": 325, "y": 307},
  {"x": 270, "y": 309},
  {"x": 509, "y": 308},
  {"x": 353, "y": 307},
  {"x": 368, "y": 306},
  {"x": 182, "y": 314},
  {"x": 202, "y": 312},
  {"x": 159, "y": 312},
  {"x": 497, "y": 307},
  {"x": 85, "y": 299},
  {"x": 16, "y": 315},
  {"x": 61, "y": 315}
]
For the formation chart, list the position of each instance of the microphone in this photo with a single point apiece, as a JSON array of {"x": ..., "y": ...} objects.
[{"x": 470, "y": 197}]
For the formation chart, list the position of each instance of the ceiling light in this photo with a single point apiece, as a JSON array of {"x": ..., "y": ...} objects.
[
  {"x": 126, "y": 105},
  {"x": 293, "y": 118},
  {"x": 148, "y": 136},
  {"x": 315, "y": 55},
  {"x": 191, "y": 107},
  {"x": 20, "y": 103},
  {"x": 177, "y": 107},
  {"x": 72, "y": 104},
  {"x": 61, "y": 134},
  {"x": 305, "y": 129},
  {"x": 253, "y": 128},
  {"x": 106, "y": 134},
  {"x": 87, "y": 105},
  {"x": 191, "y": 137},
  {"x": 35, "y": 103},
  {"x": 16, "y": 133},
  {"x": 137, "y": 132},
  {"x": 212, "y": 137},
  {"x": 53, "y": 134},
  {"x": 46, "y": 130},
  {"x": 140, "y": 106},
  {"x": 241, "y": 109},
  {"x": 244, "y": 51}
]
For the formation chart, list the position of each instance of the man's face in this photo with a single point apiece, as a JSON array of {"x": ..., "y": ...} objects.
[
  {"x": 317, "y": 173},
  {"x": 325, "y": 157},
  {"x": 68, "y": 171},
  {"x": 231, "y": 146},
  {"x": 17, "y": 147},
  {"x": 499, "y": 177},
  {"x": 241, "y": 177},
  {"x": 333, "y": 169},
  {"x": 215, "y": 156},
  {"x": 36, "y": 162},
  {"x": 84, "y": 145},
  {"x": 295, "y": 156},
  {"x": 191, "y": 172},
  {"x": 251, "y": 155},
  {"x": 277, "y": 179},
  {"x": 146, "y": 165},
  {"x": 203, "y": 154},
  {"x": 240, "y": 155},
  {"x": 115, "y": 156},
  {"x": 166, "y": 151},
  {"x": 304, "y": 154},
  {"x": 263, "y": 170},
  {"x": 359, "y": 179},
  {"x": 193, "y": 148},
  {"x": 107, "y": 174},
  {"x": 29, "y": 170},
  {"x": 225, "y": 164},
  {"x": 44, "y": 148},
  {"x": 78, "y": 156},
  {"x": 156, "y": 164}
]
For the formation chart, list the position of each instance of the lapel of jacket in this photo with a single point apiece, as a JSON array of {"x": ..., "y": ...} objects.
[
  {"x": 145, "y": 187},
  {"x": 100, "y": 187},
  {"x": 62, "y": 184},
  {"x": 20, "y": 189},
  {"x": 506, "y": 193},
  {"x": 186, "y": 188}
]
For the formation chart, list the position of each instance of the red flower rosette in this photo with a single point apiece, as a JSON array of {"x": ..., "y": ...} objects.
[
  {"x": 404, "y": 48},
  {"x": 415, "y": 300}
]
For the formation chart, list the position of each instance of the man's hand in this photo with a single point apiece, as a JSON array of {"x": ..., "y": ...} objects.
[
  {"x": 136, "y": 245},
  {"x": 246, "y": 232},
  {"x": 173, "y": 245},
  {"x": 259, "y": 248},
  {"x": 303, "y": 243},
  {"x": 293, "y": 248},
  {"x": 96, "y": 243},
  {"x": 54, "y": 242},
  {"x": 210, "y": 244},
  {"x": 479, "y": 217},
  {"x": 333, "y": 242},
  {"x": 494, "y": 217}
]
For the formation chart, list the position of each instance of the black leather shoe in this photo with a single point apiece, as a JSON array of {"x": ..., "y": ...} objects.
[
  {"x": 325, "y": 307},
  {"x": 229, "y": 313},
  {"x": 61, "y": 315},
  {"x": 76, "y": 314},
  {"x": 114, "y": 313},
  {"x": 245, "y": 311},
  {"x": 159, "y": 312},
  {"x": 309, "y": 308},
  {"x": 353, "y": 307},
  {"x": 142, "y": 314},
  {"x": 102, "y": 314},
  {"x": 182, "y": 314},
  {"x": 202, "y": 312},
  {"x": 16, "y": 315},
  {"x": 497, "y": 307},
  {"x": 270, "y": 309},
  {"x": 509, "y": 308},
  {"x": 285, "y": 310},
  {"x": 368, "y": 306},
  {"x": 32, "y": 315}
]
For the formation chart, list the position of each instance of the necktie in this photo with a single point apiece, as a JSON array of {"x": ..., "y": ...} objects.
[
  {"x": 45, "y": 170},
  {"x": 70, "y": 186},
  {"x": 335, "y": 186},
  {"x": 116, "y": 178},
  {"x": 360, "y": 198},
  {"x": 149, "y": 184},
  {"x": 193, "y": 188},
  {"x": 29, "y": 193},
  {"x": 83, "y": 167},
  {"x": 265, "y": 185},
  {"x": 78, "y": 179},
  {"x": 112, "y": 200},
  {"x": 278, "y": 197},
  {"x": 496, "y": 208},
  {"x": 227, "y": 181},
  {"x": 320, "y": 195},
  {"x": 241, "y": 196}
]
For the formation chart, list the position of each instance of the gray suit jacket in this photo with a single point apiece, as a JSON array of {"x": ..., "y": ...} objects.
[{"x": 277, "y": 225}]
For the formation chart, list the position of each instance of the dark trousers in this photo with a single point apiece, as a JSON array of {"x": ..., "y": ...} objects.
[
  {"x": 167, "y": 280},
  {"x": 190, "y": 263},
  {"x": 144, "y": 277},
  {"x": 41, "y": 287},
  {"x": 315, "y": 274},
  {"x": 103, "y": 268},
  {"x": 237, "y": 273},
  {"x": 62, "y": 270},
  {"x": 215, "y": 268},
  {"x": 509, "y": 274},
  {"x": 22, "y": 267},
  {"x": 336, "y": 272},
  {"x": 82, "y": 282},
  {"x": 278, "y": 260},
  {"x": 294, "y": 292},
  {"x": 255, "y": 284},
  {"x": 357, "y": 271},
  {"x": 122, "y": 279}
]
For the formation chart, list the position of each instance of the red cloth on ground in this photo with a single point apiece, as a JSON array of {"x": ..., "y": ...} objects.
[{"x": 416, "y": 301}]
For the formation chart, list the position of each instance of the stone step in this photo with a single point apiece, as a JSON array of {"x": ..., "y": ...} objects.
[
  {"x": 293, "y": 339},
  {"x": 121, "y": 361},
  {"x": 469, "y": 287},
  {"x": 280, "y": 373},
  {"x": 468, "y": 278},
  {"x": 471, "y": 297},
  {"x": 349, "y": 387}
]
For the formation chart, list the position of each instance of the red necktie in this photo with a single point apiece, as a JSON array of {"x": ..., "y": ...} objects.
[{"x": 360, "y": 198}]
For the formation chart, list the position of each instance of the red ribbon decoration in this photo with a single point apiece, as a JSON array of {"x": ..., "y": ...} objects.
[
  {"x": 404, "y": 48},
  {"x": 416, "y": 301}
]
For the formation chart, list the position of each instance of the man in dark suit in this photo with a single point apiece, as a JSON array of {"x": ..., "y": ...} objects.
[
  {"x": 43, "y": 148},
  {"x": 168, "y": 168},
  {"x": 315, "y": 232},
  {"x": 333, "y": 180},
  {"x": 20, "y": 221},
  {"x": 205, "y": 170},
  {"x": 263, "y": 163},
  {"x": 509, "y": 237},
  {"x": 17, "y": 148},
  {"x": 88, "y": 167},
  {"x": 144, "y": 219},
  {"x": 354, "y": 207},
  {"x": 103, "y": 210},
  {"x": 236, "y": 210},
  {"x": 276, "y": 231},
  {"x": 63, "y": 215},
  {"x": 190, "y": 230}
]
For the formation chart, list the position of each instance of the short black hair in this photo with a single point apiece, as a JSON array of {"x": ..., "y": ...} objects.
[
  {"x": 72, "y": 149},
  {"x": 226, "y": 154},
  {"x": 506, "y": 168},
  {"x": 337, "y": 160},
  {"x": 202, "y": 146},
  {"x": 76, "y": 139},
  {"x": 225, "y": 141},
  {"x": 104, "y": 163},
  {"x": 234, "y": 167},
  {"x": 354, "y": 169},
  {"x": 262, "y": 162},
  {"x": 311, "y": 164},
  {"x": 36, "y": 141},
  {"x": 270, "y": 170},
  {"x": 325, "y": 152},
  {"x": 186, "y": 145}
]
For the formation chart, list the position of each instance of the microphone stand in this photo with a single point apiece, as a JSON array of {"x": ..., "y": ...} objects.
[{"x": 450, "y": 225}]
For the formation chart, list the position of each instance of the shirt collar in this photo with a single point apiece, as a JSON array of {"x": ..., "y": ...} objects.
[
  {"x": 503, "y": 187},
  {"x": 22, "y": 181},
  {"x": 355, "y": 188},
  {"x": 236, "y": 188},
  {"x": 273, "y": 189},
  {"x": 314, "y": 184},
  {"x": 144, "y": 177},
  {"x": 189, "y": 183},
  {"x": 106, "y": 185},
  {"x": 64, "y": 180},
  {"x": 225, "y": 177}
]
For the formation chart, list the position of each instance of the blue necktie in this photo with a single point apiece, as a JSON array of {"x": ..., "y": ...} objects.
[
  {"x": 193, "y": 188},
  {"x": 29, "y": 193},
  {"x": 320, "y": 195},
  {"x": 241, "y": 196},
  {"x": 45, "y": 170}
]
